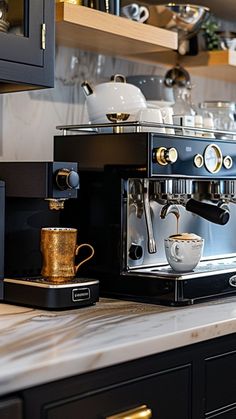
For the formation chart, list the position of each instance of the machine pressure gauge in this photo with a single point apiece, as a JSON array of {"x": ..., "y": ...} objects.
[
  {"x": 213, "y": 158},
  {"x": 198, "y": 160},
  {"x": 228, "y": 162}
]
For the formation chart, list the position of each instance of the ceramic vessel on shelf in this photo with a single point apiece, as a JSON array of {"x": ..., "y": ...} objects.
[{"x": 112, "y": 97}]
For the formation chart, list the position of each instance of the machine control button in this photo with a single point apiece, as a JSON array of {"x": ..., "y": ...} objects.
[
  {"x": 164, "y": 156},
  {"x": 67, "y": 179},
  {"x": 232, "y": 281},
  {"x": 213, "y": 158},
  {"x": 228, "y": 162},
  {"x": 198, "y": 160},
  {"x": 135, "y": 252}
]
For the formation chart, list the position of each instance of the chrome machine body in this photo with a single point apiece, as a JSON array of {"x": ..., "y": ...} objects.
[{"x": 139, "y": 188}]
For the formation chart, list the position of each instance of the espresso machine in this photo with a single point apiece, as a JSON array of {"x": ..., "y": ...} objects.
[
  {"x": 35, "y": 195},
  {"x": 138, "y": 188}
]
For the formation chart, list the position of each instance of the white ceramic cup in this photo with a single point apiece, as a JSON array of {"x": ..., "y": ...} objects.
[
  {"x": 150, "y": 115},
  {"x": 167, "y": 115},
  {"x": 135, "y": 12},
  {"x": 184, "y": 251}
]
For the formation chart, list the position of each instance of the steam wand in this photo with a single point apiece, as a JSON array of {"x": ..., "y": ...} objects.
[
  {"x": 170, "y": 208},
  {"x": 152, "y": 248}
]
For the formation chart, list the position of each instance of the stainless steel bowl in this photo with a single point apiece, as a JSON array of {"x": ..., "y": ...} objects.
[
  {"x": 152, "y": 87},
  {"x": 186, "y": 18}
]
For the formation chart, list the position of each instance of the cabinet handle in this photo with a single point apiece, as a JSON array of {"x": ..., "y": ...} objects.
[
  {"x": 43, "y": 36},
  {"x": 141, "y": 412}
]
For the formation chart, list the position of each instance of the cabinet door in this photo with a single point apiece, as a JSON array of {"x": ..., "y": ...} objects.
[
  {"x": 11, "y": 408},
  {"x": 220, "y": 374},
  {"x": 21, "y": 40},
  {"x": 26, "y": 44},
  {"x": 167, "y": 394},
  {"x": 228, "y": 414}
]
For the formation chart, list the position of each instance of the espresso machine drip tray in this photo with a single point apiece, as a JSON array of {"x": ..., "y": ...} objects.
[
  {"x": 208, "y": 267},
  {"x": 39, "y": 293},
  {"x": 161, "y": 285}
]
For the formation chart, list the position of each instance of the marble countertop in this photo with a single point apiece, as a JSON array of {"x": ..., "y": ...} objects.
[{"x": 39, "y": 346}]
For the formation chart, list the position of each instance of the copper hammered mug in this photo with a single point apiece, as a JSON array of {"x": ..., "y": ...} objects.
[{"x": 59, "y": 248}]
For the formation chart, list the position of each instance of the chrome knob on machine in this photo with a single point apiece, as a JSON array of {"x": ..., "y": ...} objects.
[
  {"x": 164, "y": 156},
  {"x": 67, "y": 179}
]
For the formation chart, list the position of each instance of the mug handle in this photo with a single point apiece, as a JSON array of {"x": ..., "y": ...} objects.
[
  {"x": 85, "y": 260},
  {"x": 143, "y": 14},
  {"x": 131, "y": 11},
  {"x": 173, "y": 250}
]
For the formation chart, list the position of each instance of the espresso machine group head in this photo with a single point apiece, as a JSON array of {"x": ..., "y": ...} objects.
[
  {"x": 139, "y": 188},
  {"x": 36, "y": 193}
]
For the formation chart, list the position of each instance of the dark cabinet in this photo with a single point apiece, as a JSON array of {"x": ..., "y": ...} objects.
[
  {"x": 194, "y": 382},
  {"x": 163, "y": 388},
  {"x": 26, "y": 44},
  {"x": 227, "y": 414},
  {"x": 220, "y": 381},
  {"x": 11, "y": 408},
  {"x": 159, "y": 392}
]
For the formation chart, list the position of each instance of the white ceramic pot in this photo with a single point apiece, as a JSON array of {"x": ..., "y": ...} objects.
[{"x": 113, "y": 97}]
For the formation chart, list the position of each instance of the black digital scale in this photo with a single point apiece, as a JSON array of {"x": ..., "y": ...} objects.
[
  {"x": 39, "y": 293},
  {"x": 34, "y": 197}
]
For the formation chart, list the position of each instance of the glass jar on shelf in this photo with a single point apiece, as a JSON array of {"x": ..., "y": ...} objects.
[{"x": 223, "y": 114}]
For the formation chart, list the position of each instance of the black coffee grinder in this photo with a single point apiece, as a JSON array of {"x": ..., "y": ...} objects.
[{"x": 35, "y": 197}]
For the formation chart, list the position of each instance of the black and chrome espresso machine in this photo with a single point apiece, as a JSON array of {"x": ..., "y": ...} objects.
[
  {"x": 138, "y": 188},
  {"x": 32, "y": 195}
]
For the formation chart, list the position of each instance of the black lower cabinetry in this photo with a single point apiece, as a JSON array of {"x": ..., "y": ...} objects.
[
  {"x": 227, "y": 414},
  {"x": 194, "y": 382},
  {"x": 158, "y": 391},
  {"x": 220, "y": 379},
  {"x": 11, "y": 408},
  {"x": 115, "y": 390}
]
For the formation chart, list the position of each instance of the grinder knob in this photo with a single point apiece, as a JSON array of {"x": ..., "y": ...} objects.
[
  {"x": 67, "y": 179},
  {"x": 164, "y": 156}
]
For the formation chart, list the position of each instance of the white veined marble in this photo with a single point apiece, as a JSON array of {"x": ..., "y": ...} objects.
[{"x": 40, "y": 346}]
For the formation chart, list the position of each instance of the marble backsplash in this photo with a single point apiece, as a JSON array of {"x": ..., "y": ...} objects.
[{"x": 28, "y": 120}]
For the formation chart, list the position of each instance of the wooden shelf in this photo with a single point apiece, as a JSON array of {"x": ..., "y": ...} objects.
[
  {"x": 219, "y": 65},
  {"x": 93, "y": 30}
]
